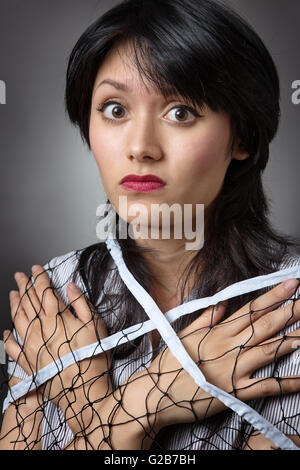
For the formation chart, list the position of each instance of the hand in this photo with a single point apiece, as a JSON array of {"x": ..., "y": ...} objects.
[
  {"x": 49, "y": 330},
  {"x": 125, "y": 412},
  {"x": 228, "y": 354}
]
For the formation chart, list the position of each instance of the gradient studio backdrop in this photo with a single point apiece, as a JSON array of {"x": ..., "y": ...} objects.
[{"x": 49, "y": 181}]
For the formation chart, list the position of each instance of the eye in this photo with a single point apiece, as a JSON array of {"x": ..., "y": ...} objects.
[
  {"x": 115, "y": 110},
  {"x": 181, "y": 112}
]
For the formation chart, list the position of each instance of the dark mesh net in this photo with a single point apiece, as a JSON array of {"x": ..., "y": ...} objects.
[{"x": 69, "y": 389}]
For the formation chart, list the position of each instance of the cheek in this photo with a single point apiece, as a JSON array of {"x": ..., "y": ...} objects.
[
  {"x": 208, "y": 151},
  {"x": 103, "y": 149}
]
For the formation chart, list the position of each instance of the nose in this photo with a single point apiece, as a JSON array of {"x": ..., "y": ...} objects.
[{"x": 144, "y": 141}]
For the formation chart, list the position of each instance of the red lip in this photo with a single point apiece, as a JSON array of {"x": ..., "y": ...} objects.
[{"x": 143, "y": 178}]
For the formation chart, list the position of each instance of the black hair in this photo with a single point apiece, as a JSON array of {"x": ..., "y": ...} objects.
[
  {"x": 207, "y": 53},
  {"x": 199, "y": 49},
  {"x": 204, "y": 51}
]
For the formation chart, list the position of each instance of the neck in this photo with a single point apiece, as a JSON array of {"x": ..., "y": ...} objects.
[
  {"x": 167, "y": 262},
  {"x": 170, "y": 258}
]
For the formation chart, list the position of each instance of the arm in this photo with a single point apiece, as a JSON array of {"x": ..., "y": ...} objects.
[
  {"x": 170, "y": 395},
  {"x": 131, "y": 416},
  {"x": 287, "y": 406},
  {"x": 22, "y": 423},
  {"x": 112, "y": 425}
]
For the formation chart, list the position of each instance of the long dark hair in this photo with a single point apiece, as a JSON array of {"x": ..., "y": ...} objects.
[{"x": 206, "y": 52}]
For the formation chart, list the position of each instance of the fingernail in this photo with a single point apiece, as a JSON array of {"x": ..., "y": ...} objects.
[
  {"x": 290, "y": 285},
  {"x": 35, "y": 268},
  {"x": 5, "y": 333},
  {"x": 18, "y": 276}
]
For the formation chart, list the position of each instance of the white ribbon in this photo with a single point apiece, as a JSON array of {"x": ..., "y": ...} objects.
[{"x": 162, "y": 322}]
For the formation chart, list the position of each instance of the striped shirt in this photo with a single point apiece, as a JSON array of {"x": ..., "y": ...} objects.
[{"x": 219, "y": 432}]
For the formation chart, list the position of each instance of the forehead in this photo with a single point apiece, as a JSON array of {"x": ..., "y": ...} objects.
[{"x": 119, "y": 70}]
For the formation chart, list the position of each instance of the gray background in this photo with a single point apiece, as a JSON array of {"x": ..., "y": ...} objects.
[{"x": 49, "y": 181}]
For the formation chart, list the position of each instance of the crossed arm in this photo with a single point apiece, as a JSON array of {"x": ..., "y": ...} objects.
[{"x": 138, "y": 419}]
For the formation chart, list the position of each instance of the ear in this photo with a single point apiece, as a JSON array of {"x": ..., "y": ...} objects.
[{"x": 239, "y": 152}]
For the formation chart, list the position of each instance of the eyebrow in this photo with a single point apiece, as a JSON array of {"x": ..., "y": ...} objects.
[
  {"x": 124, "y": 87},
  {"x": 117, "y": 85}
]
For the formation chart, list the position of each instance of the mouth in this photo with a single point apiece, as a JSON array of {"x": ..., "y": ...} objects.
[{"x": 142, "y": 183}]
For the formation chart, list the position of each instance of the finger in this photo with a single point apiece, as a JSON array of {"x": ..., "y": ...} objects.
[
  {"x": 210, "y": 317},
  {"x": 29, "y": 299},
  {"x": 12, "y": 380},
  {"x": 50, "y": 300},
  {"x": 268, "y": 387},
  {"x": 79, "y": 303},
  {"x": 261, "y": 305},
  {"x": 267, "y": 352},
  {"x": 84, "y": 309},
  {"x": 18, "y": 314},
  {"x": 14, "y": 350},
  {"x": 269, "y": 324}
]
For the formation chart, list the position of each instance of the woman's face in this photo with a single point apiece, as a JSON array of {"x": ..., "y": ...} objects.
[{"x": 147, "y": 134}]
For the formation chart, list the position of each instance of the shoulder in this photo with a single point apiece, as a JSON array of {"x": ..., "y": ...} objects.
[
  {"x": 61, "y": 268},
  {"x": 64, "y": 262},
  {"x": 64, "y": 265}
]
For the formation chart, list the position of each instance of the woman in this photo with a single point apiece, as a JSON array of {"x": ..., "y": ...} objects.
[{"x": 186, "y": 91}]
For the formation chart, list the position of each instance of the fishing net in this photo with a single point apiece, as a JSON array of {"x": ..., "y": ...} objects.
[{"x": 161, "y": 395}]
